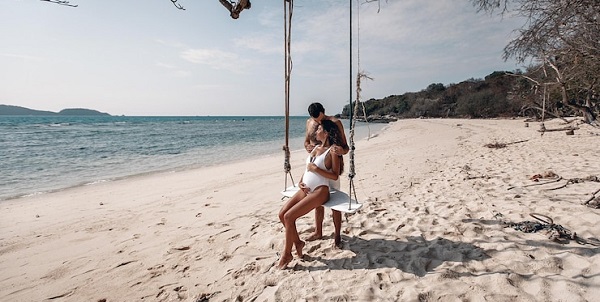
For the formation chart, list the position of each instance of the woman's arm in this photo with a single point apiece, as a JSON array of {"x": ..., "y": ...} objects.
[{"x": 344, "y": 142}]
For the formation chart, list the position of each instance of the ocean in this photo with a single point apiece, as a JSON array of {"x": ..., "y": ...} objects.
[{"x": 40, "y": 154}]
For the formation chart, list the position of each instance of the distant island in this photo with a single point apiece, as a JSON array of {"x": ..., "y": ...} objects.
[{"x": 17, "y": 110}]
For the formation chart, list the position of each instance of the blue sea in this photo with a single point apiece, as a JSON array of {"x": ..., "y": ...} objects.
[{"x": 40, "y": 154}]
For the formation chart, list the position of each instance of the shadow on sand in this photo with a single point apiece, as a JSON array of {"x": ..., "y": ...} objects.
[{"x": 416, "y": 255}]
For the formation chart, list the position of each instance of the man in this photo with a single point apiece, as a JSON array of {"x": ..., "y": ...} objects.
[{"x": 317, "y": 114}]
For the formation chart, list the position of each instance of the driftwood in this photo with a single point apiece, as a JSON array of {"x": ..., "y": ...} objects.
[
  {"x": 555, "y": 232},
  {"x": 544, "y": 111},
  {"x": 594, "y": 201},
  {"x": 538, "y": 183},
  {"x": 577, "y": 180},
  {"x": 497, "y": 145},
  {"x": 571, "y": 128}
]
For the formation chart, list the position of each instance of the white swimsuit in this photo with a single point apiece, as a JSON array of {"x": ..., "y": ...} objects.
[{"x": 314, "y": 180}]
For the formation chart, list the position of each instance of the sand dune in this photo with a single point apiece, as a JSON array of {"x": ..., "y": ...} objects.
[{"x": 439, "y": 223}]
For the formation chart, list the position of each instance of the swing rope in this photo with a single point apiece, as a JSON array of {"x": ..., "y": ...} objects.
[
  {"x": 354, "y": 110},
  {"x": 352, "y": 172},
  {"x": 288, "y": 6}
]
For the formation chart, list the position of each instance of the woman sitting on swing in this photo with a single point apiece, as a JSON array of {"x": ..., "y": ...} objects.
[{"x": 321, "y": 165}]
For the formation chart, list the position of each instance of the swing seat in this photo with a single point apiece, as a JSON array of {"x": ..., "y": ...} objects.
[{"x": 338, "y": 200}]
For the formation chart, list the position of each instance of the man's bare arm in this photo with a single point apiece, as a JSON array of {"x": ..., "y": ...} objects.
[{"x": 308, "y": 145}]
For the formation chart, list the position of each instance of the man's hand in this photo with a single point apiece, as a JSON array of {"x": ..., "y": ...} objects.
[{"x": 337, "y": 150}]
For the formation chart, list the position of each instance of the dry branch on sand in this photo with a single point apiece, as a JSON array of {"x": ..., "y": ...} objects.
[{"x": 497, "y": 145}]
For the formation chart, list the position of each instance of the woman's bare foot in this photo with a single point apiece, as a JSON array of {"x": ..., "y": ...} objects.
[
  {"x": 314, "y": 236},
  {"x": 284, "y": 261},
  {"x": 299, "y": 247}
]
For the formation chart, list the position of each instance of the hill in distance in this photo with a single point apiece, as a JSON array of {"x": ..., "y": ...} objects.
[{"x": 17, "y": 110}]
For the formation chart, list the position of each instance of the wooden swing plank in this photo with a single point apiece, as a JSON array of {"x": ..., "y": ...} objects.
[{"x": 338, "y": 200}]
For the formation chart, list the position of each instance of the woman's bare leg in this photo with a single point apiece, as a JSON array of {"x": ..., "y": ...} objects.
[
  {"x": 299, "y": 209},
  {"x": 290, "y": 203},
  {"x": 287, "y": 257}
]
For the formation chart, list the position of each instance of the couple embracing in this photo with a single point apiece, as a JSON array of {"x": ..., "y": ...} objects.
[{"x": 326, "y": 143}]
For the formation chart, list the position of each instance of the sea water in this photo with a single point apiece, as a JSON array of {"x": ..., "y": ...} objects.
[{"x": 40, "y": 154}]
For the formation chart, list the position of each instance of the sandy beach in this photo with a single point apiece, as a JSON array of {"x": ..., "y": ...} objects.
[{"x": 441, "y": 221}]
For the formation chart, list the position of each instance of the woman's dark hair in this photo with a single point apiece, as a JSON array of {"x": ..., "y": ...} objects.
[{"x": 335, "y": 137}]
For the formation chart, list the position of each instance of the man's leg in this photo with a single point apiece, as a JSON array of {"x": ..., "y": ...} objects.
[
  {"x": 319, "y": 216},
  {"x": 337, "y": 224}
]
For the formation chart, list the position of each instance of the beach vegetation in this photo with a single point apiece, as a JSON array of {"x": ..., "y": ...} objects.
[
  {"x": 559, "y": 48},
  {"x": 560, "y": 44}
]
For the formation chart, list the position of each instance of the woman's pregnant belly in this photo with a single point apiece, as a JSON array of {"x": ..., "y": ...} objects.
[{"x": 313, "y": 180}]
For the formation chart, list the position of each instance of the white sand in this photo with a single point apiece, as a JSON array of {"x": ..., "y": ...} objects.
[{"x": 429, "y": 229}]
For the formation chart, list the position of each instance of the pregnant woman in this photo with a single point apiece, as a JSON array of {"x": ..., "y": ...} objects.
[{"x": 322, "y": 164}]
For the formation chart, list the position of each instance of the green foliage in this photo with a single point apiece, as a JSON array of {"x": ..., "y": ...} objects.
[{"x": 493, "y": 96}]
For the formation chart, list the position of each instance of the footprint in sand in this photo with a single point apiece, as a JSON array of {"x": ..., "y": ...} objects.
[
  {"x": 156, "y": 270},
  {"x": 249, "y": 269}
]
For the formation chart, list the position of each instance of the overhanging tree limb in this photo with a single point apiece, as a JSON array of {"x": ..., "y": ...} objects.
[
  {"x": 177, "y": 5},
  {"x": 65, "y": 3}
]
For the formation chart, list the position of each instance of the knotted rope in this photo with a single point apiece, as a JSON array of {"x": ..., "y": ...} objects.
[
  {"x": 288, "y": 6},
  {"x": 354, "y": 110}
]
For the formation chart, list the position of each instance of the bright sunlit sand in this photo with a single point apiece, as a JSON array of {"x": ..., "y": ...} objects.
[{"x": 435, "y": 226}]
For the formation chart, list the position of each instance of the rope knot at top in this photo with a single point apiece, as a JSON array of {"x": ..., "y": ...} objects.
[{"x": 287, "y": 167}]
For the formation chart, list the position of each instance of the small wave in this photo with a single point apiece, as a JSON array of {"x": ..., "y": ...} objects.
[
  {"x": 95, "y": 182},
  {"x": 59, "y": 124},
  {"x": 30, "y": 194}
]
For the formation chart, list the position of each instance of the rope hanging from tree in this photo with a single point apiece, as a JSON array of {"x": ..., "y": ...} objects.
[
  {"x": 354, "y": 110},
  {"x": 288, "y": 6}
]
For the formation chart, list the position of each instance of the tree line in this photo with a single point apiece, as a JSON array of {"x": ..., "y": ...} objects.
[
  {"x": 497, "y": 95},
  {"x": 559, "y": 45}
]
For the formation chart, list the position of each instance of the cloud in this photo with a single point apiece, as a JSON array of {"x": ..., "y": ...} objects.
[
  {"x": 262, "y": 43},
  {"x": 409, "y": 34},
  {"x": 216, "y": 59},
  {"x": 22, "y": 57},
  {"x": 170, "y": 43},
  {"x": 174, "y": 71},
  {"x": 164, "y": 65}
]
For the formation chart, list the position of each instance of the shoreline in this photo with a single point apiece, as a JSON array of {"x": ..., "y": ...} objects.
[
  {"x": 179, "y": 165},
  {"x": 428, "y": 228}
]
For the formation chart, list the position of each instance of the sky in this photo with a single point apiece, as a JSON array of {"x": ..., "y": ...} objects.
[{"x": 148, "y": 58}]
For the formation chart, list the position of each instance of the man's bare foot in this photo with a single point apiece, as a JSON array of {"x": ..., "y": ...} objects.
[
  {"x": 314, "y": 236},
  {"x": 299, "y": 247},
  {"x": 284, "y": 261},
  {"x": 337, "y": 242}
]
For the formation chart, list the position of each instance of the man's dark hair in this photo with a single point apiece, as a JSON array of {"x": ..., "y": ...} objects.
[{"x": 315, "y": 110}]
